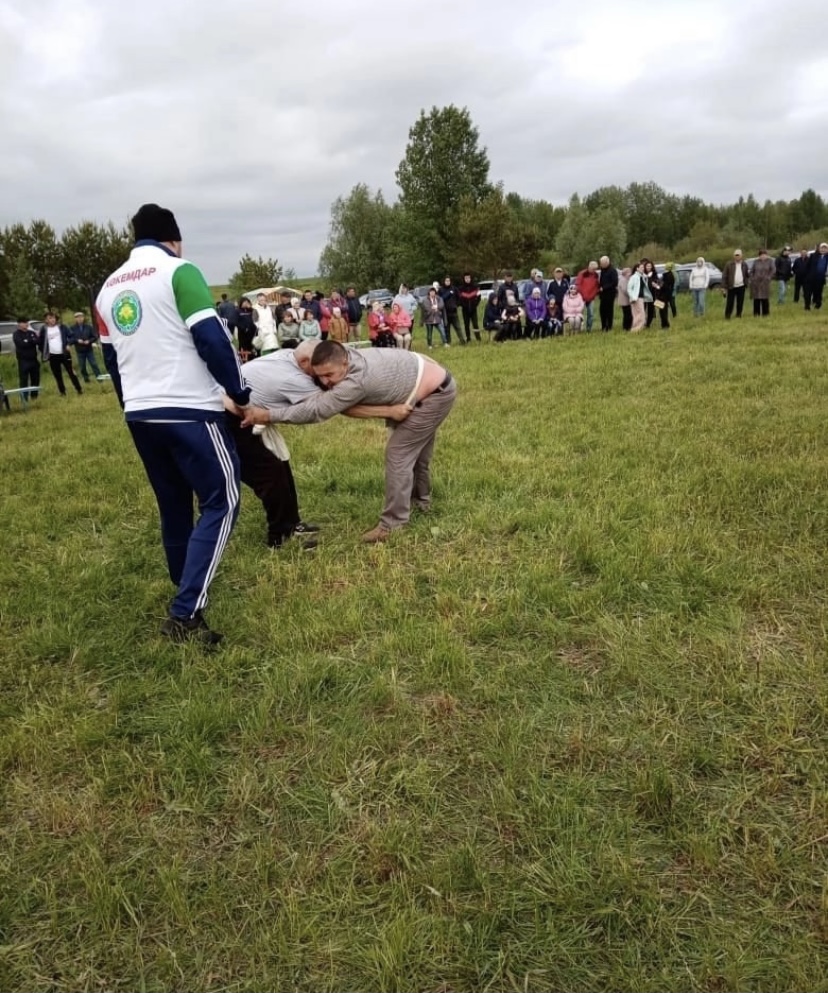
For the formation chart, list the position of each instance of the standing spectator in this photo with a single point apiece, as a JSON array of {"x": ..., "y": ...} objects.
[
  {"x": 170, "y": 358},
  {"x": 469, "y": 299},
  {"x": 337, "y": 300},
  {"x": 557, "y": 287},
  {"x": 83, "y": 337},
  {"x": 338, "y": 330},
  {"x": 608, "y": 290},
  {"x": 783, "y": 266},
  {"x": 56, "y": 350},
  {"x": 668, "y": 284},
  {"x": 573, "y": 309},
  {"x": 227, "y": 312},
  {"x": 354, "y": 313},
  {"x": 399, "y": 320},
  {"x": 310, "y": 302},
  {"x": 815, "y": 279},
  {"x": 324, "y": 318},
  {"x": 734, "y": 280},
  {"x": 491, "y": 316},
  {"x": 506, "y": 287},
  {"x": 535, "y": 314},
  {"x": 800, "y": 272},
  {"x": 589, "y": 286},
  {"x": 28, "y": 345},
  {"x": 265, "y": 321},
  {"x": 652, "y": 286},
  {"x": 280, "y": 308},
  {"x": 451, "y": 300},
  {"x": 661, "y": 298},
  {"x": 406, "y": 299},
  {"x": 535, "y": 282},
  {"x": 637, "y": 291},
  {"x": 699, "y": 280},
  {"x": 624, "y": 299},
  {"x": 245, "y": 328},
  {"x": 433, "y": 316},
  {"x": 764, "y": 269}
]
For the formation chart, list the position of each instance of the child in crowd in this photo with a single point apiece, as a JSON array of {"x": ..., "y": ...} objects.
[
  {"x": 510, "y": 318},
  {"x": 338, "y": 328},
  {"x": 553, "y": 321}
]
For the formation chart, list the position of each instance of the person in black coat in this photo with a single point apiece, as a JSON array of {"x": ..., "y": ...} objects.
[
  {"x": 556, "y": 290},
  {"x": 245, "y": 328},
  {"x": 28, "y": 345},
  {"x": 784, "y": 271},
  {"x": 800, "y": 272},
  {"x": 451, "y": 300},
  {"x": 608, "y": 283}
]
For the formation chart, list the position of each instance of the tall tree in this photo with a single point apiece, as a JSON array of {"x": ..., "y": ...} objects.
[
  {"x": 487, "y": 236},
  {"x": 253, "y": 274},
  {"x": 89, "y": 252},
  {"x": 363, "y": 244},
  {"x": 442, "y": 164},
  {"x": 22, "y": 297}
]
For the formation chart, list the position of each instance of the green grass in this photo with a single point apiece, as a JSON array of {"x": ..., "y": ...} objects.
[{"x": 566, "y": 733}]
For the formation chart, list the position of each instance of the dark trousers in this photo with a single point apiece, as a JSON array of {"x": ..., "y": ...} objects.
[
  {"x": 29, "y": 375},
  {"x": 664, "y": 316},
  {"x": 650, "y": 308},
  {"x": 452, "y": 321},
  {"x": 626, "y": 317},
  {"x": 761, "y": 308},
  {"x": 735, "y": 295},
  {"x": 271, "y": 480},
  {"x": 87, "y": 355},
  {"x": 672, "y": 306},
  {"x": 186, "y": 459},
  {"x": 798, "y": 284},
  {"x": 533, "y": 329},
  {"x": 813, "y": 295},
  {"x": 57, "y": 363},
  {"x": 469, "y": 322},
  {"x": 606, "y": 309}
]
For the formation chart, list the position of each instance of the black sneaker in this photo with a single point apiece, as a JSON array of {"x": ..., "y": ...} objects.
[
  {"x": 183, "y": 629},
  {"x": 307, "y": 545},
  {"x": 304, "y": 528}
]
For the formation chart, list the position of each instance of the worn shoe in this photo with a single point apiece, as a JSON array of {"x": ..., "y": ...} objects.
[
  {"x": 181, "y": 629},
  {"x": 304, "y": 528},
  {"x": 376, "y": 535}
]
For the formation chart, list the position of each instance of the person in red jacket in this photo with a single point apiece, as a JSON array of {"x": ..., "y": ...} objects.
[{"x": 589, "y": 286}]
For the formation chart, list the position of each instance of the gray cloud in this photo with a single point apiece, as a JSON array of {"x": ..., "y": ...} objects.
[{"x": 248, "y": 118}]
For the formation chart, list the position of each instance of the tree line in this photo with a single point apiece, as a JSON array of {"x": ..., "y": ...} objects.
[{"x": 450, "y": 217}]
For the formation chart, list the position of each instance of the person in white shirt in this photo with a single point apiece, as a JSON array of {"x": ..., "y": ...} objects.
[{"x": 56, "y": 350}]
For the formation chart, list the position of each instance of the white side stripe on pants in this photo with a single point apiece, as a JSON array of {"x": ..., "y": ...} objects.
[{"x": 232, "y": 496}]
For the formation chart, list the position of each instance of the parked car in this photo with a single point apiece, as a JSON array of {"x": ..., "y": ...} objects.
[
  {"x": 7, "y": 329},
  {"x": 682, "y": 274},
  {"x": 385, "y": 297},
  {"x": 420, "y": 292}
]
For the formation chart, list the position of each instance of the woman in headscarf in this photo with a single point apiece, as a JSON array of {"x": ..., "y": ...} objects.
[
  {"x": 245, "y": 328},
  {"x": 535, "y": 314}
]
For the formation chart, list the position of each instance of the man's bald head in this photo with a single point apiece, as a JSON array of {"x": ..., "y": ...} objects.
[{"x": 304, "y": 355}]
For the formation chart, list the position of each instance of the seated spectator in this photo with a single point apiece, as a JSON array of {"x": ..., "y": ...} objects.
[
  {"x": 309, "y": 328},
  {"x": 573, "y": 310},
  {"x": 338, "y": 329},
  {"x": 288, "y": 331},
  {"x": 510, "y": 317},
  {"x": 378, "y": 329},
  {"x": 399, "y": 321},
  {"x": 297, "y": 309},
  {"x": 535, "y": 314},
  {"x": 491, "y": 316},
  {"x": 310, "y": 301},
  {"x": 552, "y": 324}
]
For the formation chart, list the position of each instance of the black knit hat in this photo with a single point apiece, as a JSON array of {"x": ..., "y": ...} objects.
[{"x": 155, "y": 223}]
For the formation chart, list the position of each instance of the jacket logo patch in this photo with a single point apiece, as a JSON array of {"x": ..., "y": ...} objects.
[{"x": 127, "y": 312}]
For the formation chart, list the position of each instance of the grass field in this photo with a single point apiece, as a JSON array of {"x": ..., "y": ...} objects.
[{"x": 566, "y": 733}]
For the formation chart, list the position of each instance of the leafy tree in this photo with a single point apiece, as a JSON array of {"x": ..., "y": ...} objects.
[
  {"x": 22, "y": 297},
  {"x": 362, "y": 247},
  {"x": 253, "y": 273},
  {"x": 809, "y": 212},
  {"x": 442, "y": 164},
  {"x": 652, "y": 251},
  {"x": 43, "y": 256},
  {"x": 586, "y": 235},
  {"x": 568, "y": 244},
  {"x": 89, "y": 252},
  {"x": 486, "y": 236}
]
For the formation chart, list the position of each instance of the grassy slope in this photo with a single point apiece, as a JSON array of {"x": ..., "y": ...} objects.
[{"x": 567, "y": 733}]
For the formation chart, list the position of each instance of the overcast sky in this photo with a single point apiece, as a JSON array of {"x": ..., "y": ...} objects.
[{"x": 249, "y": 118}]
